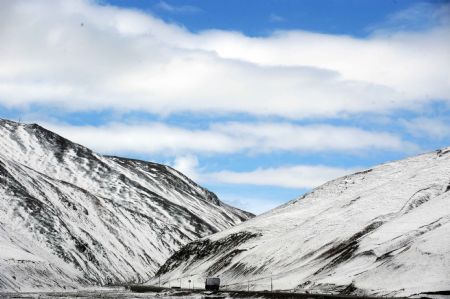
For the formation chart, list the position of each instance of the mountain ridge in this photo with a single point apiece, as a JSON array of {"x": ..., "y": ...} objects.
[
  {"x": 381, "y": 231},
  {"x": 71, "y": 217}
]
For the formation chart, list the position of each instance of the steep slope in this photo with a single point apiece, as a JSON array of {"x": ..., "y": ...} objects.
[
  {"x": 382, "y": 231},
  {"x": 71, "y": 217}
]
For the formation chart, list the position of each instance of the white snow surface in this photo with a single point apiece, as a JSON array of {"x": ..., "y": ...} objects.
[
  {"x": 70, "y": 217},
  {"x": 383, "y": 231}
]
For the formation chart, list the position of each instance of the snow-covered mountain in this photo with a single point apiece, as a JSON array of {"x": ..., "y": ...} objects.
[
  {"x": 71, "y": 217},
  {"x": 382, "y": 231}
]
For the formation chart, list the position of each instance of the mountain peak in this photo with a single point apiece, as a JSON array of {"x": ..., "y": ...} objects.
[
  {"x": 382, "y": 231},
  {"x": 96, "y": 219}
]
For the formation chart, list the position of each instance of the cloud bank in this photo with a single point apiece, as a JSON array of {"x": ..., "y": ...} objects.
[
  {"x": 229, "y": 138},
  {"x": 80, "y": 55}
]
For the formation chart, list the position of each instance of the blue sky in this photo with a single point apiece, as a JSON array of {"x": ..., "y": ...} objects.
[
  {"x": 260, "y": 18},
  {"x": 259, "y": 101}
]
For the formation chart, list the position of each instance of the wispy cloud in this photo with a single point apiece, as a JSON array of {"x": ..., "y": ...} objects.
[
  {"x": 420, "y": 16},
  {"x": 229, "y": 137},
  {"x": 177, "y": 8},
  {"x": 432, "y": 128},
  {"x": 276, "y": 18}
]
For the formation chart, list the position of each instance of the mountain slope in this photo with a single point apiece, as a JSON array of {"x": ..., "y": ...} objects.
[
  {"x": 382, "y": 231},
  {"x": 71, "y": 217}
]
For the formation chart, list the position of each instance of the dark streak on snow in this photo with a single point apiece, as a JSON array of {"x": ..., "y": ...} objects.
[
  {"x": 344, "y": 250},
  {"x": 205, "y": 248},
  {"x": 351, "y": 202}
]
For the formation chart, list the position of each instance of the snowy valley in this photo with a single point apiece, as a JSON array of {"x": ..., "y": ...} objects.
[{"x": 71, "y": 218}]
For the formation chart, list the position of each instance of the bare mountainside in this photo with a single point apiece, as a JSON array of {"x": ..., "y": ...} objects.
[
  {"x": 70, "y": 217},
  {"x": 383, "y": 231}
]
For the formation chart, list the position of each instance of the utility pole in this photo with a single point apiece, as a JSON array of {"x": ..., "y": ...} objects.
[
  {"x": 248, "y": 285},
  {"x": 159, "y": 281},
  {"x": 271, "y": 284},
  {"x": 180, "y": 282}
]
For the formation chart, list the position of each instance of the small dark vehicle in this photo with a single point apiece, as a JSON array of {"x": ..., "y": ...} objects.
[{"x": 212, "y": 283}]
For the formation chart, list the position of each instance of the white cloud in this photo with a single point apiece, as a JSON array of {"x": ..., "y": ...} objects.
[
  {"x": 266, "y": 137},
  {"x": 228, "y": 137},
  {"x": 298, "y": 176},
  {"x": 291, "y": 176},
  {"x": 146, "y": 138},
  {"x": 127, "y": 60},
  {"x": 187, "y": 165},
  {"x": 427, "y": 127}
]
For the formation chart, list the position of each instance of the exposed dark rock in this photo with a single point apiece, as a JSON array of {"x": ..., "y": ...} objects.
[
  {"x": 200, "y": 249},
  {"x": 344, "y": 250}
]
